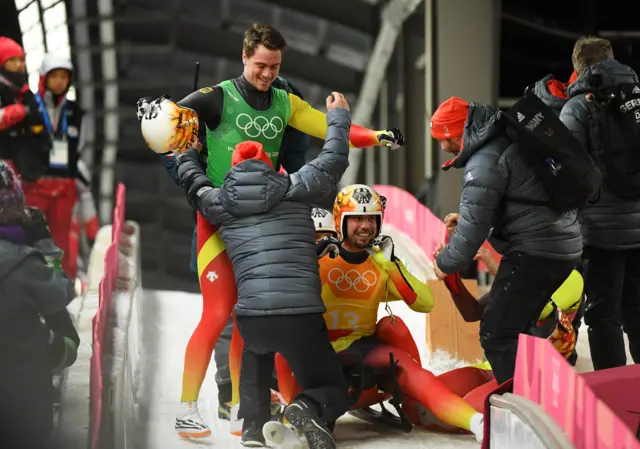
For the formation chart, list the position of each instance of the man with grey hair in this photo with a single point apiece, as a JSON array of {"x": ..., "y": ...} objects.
[{"x": 603, "y": 112}]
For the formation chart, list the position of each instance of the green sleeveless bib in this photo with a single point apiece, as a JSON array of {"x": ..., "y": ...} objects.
[{"x": 240, "y": 122}]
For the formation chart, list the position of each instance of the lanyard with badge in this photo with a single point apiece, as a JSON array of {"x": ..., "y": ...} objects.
[{"x": 59, "y": 156}]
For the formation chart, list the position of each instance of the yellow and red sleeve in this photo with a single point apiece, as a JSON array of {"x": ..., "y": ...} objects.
[
  {"x": 403, "y": 286},
  {"x": 313, "y": 122}
]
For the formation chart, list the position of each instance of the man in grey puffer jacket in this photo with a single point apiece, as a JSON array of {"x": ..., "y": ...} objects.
[
  {"x": 265, "y": 222},
  {"x": 610, "y": 226},
  {"x": 540, "y": 246}
]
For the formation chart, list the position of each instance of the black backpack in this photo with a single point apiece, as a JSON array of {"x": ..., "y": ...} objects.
[
  {"x": 567, "y": 170},
  {"x": 616, "y": 125}
]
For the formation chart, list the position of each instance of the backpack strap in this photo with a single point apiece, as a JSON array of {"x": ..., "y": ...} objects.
[{"x": 597, "y": 104}]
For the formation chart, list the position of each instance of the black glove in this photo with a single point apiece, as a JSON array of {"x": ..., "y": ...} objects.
[
  {"x": 35, "y": 225},
  {"x": 328, "y": 245},
  {"x": 392, "y": 138},
  {"x": 191, "y": 176}
]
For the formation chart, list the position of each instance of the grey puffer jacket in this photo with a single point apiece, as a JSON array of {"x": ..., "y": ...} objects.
[
  {"x": 265, "y": 222},
  {"x": 541, "y": 90},
  {"x": 610, "y": 223},
  {"x": 493, "y": 170}
]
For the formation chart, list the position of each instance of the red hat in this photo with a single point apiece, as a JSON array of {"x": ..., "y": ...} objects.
[
  {"x": 557, "y": 88},
  {"x": 573, "y": 77},
  {"x": 9, "y": 49},
  {"x": 449, "y": 119},
  {"x": 250, "y": 150}
]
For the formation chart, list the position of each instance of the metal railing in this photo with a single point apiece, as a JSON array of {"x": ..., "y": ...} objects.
[{"x": 518, "y": 422}]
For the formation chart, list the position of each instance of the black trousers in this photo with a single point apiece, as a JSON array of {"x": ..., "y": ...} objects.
[
  {"x": 303, "y": 340},
  {"x": 612, "y": 285},
  {"x": 522, "y": 287}
]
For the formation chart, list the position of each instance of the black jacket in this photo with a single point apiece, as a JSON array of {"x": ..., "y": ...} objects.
[
  {"x": 610, "y": 223},
  {"x": 27, "y": 144}
]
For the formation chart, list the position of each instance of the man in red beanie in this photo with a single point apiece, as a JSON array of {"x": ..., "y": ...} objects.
[
  {"x": 503, "y": 199},
  {"x": 266, "y": 226},
  {"x": 447, "y": 124},
  {"x": 23, "y": 140}
]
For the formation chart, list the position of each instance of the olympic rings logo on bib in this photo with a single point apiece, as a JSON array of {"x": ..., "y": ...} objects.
[
  {"x": 352, "y": 279},
  {"x": 260, "y": 126}
]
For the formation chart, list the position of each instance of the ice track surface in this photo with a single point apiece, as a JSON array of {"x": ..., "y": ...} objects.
[{"x": 168, "y": 318}]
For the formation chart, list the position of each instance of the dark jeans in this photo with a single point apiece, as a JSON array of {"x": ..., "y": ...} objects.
[
  {"x": 612, "y": 285},
  {"x": 303, "y": 340},
  {"x": 522, "y": 287}
]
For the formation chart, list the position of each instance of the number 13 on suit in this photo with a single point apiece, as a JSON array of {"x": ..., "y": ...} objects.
[{"x": 342, "y": 320}]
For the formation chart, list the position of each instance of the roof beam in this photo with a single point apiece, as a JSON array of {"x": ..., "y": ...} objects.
[
  {"x": 207, "y": 39},
  {"x": 394, "y": 15},
  {"x": 354, "y": 14}
]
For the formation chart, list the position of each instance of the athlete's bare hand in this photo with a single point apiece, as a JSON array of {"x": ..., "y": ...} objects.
[
  {"x": 438, "y": 250},
  {"x": 197, "y": 145},
  {"x": 336, "y": 100},
  {"x": 485, "y": 256},
  {"x": 451, "y": 221},
  {"x": 439, "y": 273}
]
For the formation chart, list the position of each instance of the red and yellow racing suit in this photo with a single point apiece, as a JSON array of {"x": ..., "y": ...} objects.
[{"x": 352, "y": 294}]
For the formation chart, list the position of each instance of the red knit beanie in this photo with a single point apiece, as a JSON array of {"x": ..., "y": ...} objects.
[
  {"x": 449, "y": 119},
  {"x": 250, "y": 150},
  {"x": 9, "y": 49}
]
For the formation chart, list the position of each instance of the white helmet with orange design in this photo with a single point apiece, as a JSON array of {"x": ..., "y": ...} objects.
[
  {"x": 166, "y": 126},
  {"x": 357, "y": 199}
]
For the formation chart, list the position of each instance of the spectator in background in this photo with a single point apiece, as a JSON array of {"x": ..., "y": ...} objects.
[
  {"x": 611, "y": 225},
  {"x": 31, "y": 294},
  {"x": 55, "y": 193},
  {"x": 23, "y": 140}
]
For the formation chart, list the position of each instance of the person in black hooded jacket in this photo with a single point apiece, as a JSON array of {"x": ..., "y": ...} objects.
[
  {"x": 31, "y": 293},
  {"x": 611, "y": 225}
]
